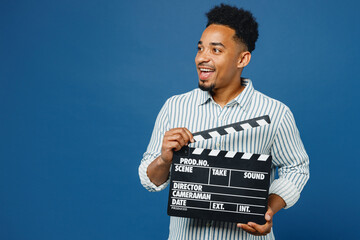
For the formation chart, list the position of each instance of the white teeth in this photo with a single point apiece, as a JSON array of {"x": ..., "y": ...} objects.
[{"x": 206, "y": 70}]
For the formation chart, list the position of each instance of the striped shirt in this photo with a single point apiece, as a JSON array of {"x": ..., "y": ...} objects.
[{"x": 197, "y": 111}]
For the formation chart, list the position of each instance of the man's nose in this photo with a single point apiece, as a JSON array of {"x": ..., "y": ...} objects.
[{"x": 203, "y": 56}]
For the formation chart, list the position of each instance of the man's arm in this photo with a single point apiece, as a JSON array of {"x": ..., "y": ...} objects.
[
  {"x": 174, "y": 140},
  {"x": 290, "y": 157},
  {"x": 153, "y": 150},
  {"x": 155, "y": 165},
  {"x": 275, "y": 204}
]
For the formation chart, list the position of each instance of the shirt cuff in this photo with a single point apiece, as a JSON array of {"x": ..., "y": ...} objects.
[
  {"x": 145, "y": 181},
  {"x": 286, "y": 190}
]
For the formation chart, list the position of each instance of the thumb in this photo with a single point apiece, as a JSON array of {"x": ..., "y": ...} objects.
[{"x": 269, "y": 214}]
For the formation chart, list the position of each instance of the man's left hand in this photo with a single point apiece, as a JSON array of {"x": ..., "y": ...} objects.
[{"x": 259, "y": 230}]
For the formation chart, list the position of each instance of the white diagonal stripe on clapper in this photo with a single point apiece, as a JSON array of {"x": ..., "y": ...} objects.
[
  {"x": 214, "y": 152},
  {"x": 214, "y": 134},
  {"x": 230, "y": 130},
  {"x": 246, "y": 126},
  {"x": 263, "y": 157},
  {"x": 246, "y": 156},
  {"x": 197, "y": 151},
  {"x": 198, "y": 138},
  {"x": 262, "y": 122},
  {"x": 230, "y": 154}
]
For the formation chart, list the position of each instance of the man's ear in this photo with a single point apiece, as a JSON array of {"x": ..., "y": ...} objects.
[{"x": 244, "y": 59}]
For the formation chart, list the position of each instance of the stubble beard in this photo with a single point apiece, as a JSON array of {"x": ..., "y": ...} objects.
[{"x": 207, "y": 89}]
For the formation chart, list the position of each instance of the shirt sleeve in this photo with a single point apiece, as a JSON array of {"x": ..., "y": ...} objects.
[
  {"x": 290, "y": 157},
  {"x": 154, "y": 150}
]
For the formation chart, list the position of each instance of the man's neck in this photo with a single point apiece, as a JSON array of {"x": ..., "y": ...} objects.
[{"x": 224, "y": 96}]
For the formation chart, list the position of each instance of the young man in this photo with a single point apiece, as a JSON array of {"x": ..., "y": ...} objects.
[{"x": 223, "y": 97}]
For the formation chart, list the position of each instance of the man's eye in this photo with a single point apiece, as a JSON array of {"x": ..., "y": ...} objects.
[
  {"x": 216, "y": 50},
  {"x": 199, "y": 48}
]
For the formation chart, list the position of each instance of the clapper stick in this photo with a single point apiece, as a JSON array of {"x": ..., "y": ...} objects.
[
  {"x": 231, "y": 128},
  {"x": 220, "y": 185}
]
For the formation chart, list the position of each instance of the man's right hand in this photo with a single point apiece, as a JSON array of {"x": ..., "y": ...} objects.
[{"x": 174, "y": 140}]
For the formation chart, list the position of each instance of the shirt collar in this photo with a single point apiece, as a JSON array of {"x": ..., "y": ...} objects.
[
  {"x": 204, "y": 97},
  {"x": 243, "y": 99}
]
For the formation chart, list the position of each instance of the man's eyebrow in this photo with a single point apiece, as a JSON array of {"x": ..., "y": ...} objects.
[
  {"x": 217, "y": 44},
  {"x": 213, "y": 44}
]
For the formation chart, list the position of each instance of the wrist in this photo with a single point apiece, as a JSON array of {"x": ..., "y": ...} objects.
[
  {"x": 163, "y": 162},
  {"x": 276, "y": 203}
]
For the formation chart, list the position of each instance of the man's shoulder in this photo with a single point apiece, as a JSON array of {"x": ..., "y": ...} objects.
[
  {"x": 191, "y": 96},
  {"x": 266, "y": 105},
  {"x": 261, "y": 97}
]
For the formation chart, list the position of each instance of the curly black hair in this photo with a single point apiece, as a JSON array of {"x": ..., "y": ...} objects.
[{"x": 242, "y": 21}]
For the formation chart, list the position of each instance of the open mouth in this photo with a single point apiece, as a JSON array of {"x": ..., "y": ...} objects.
[{"x": 205, "y": 73}]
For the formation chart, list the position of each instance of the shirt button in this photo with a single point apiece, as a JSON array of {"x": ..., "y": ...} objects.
[
  {"x": 208, "y": 224},
  {"x": 218, "y": 144}
]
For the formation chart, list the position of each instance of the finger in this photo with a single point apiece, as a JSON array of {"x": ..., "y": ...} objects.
[
  {"x": 191, "y": 137},
  {"x": 248, "y": 229},
  {"x": 173, "y": 145},
  {"x": 261, "y": 229},
  {"x": 176, "y": 134},
  {"x": 178, "y": 137},
  {"x": 184, "y": 132},
  {"x": 269, "y": 214},
  {"x": 167, "y": 150},
  {"x": 186, "y": 135}
]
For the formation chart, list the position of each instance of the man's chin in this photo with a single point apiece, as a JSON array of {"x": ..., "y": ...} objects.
[{"x": 206, "y": 88}]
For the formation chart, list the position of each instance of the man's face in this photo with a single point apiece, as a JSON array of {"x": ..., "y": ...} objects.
[{"x": 217, "y": 58}]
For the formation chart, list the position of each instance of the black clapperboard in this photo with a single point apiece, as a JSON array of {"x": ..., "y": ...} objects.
[{"x": 220, "y": 185}]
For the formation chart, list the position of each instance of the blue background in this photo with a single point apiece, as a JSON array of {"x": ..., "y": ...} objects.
[{"x": 81, "y": 83}]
